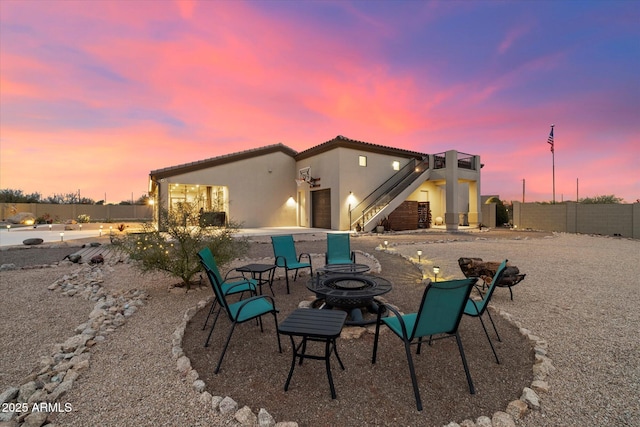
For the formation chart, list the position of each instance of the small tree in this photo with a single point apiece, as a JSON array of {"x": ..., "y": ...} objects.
[{"x": 174, "y": 250}]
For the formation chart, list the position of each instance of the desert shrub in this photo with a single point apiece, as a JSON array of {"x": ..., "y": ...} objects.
[
  {"x": 174, "y": 250},
  {"x": 84, "y": 218}
]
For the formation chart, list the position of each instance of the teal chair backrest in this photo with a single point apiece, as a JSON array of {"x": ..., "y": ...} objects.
[
  {"x": 209, "y": 261},
  {"x": 338, "y": 246},
  {"x": 481, "y": 305},
  {"x": 442, "y": 307},
  {"x": 283, "y": 246}
]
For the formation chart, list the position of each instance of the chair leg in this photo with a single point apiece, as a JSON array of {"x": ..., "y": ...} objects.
[
  {"x": 375, "y": 341},
  {"x": 213, "y": 306},
  {"x": 494, "y": 325},
  {"x": 472, "y": 389},
  {"x": 275, "y": 318},
  {"x": 224, "y": 350},
  {"x": 215, "y": 320},
  {"x": 489, "y": 339},
  {"x": 414, "y": 380},
  {"x": 286, "y": 275},
  {"x": 510, "y": 293}
]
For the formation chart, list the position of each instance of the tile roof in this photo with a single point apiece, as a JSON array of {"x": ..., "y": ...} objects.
[
  {"x": 342, "y": 141},
  {"x": 219, "y": 160},
  {"x": 338, "y": 141}
]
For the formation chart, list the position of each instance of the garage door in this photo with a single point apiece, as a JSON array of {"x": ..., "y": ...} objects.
[{"x": 321, "y": 209}]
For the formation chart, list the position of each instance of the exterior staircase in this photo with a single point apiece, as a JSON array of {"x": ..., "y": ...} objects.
[{"x": 388, "y": 196}]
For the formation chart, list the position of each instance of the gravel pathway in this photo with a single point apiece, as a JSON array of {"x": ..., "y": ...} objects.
[{"x": 580, "y": 295}]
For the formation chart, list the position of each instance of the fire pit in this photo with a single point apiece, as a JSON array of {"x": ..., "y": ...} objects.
[{"x": 350, "y": 292}]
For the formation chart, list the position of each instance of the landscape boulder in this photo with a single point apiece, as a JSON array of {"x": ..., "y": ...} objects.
[
  {"x": 22, "y": 218},
  {"x": 32, "y": 241}
]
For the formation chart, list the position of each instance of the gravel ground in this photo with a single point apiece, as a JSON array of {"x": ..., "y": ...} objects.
[{"x": 579, "y": 295}]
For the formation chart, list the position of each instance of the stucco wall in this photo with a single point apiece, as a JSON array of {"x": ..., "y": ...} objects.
[
  {"x": 607, "y": 219},
  {"x": 338, "y": 169},
  {"x": 259, "y": 188}
]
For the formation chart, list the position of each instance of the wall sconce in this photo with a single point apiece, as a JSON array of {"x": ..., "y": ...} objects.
[
  {"x": 291, "y": 202},
  {"x": 419, "y": 255},
  {"x": 436, "y": 270},
  {"x": 62, "y": 236}
]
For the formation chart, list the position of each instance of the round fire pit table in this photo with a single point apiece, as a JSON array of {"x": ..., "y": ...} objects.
[
  {"x": 350, "y": 292},
  {"x": 344, "y": 269}
]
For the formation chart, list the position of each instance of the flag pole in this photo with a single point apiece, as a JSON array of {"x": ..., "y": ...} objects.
[{"x": 553, "y": 162}]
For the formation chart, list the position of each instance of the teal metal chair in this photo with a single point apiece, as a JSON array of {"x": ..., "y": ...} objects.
[
  {"x": 478, "y": 308},
  {"x": 242, "y": 311},
  {"x": 228, "y": 285},
  {"x": 439, "y": 315},
  {"x": 339, "y": 249},
  {"x": 284, "y": 250}
]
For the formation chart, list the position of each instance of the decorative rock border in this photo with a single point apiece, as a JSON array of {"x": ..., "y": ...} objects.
[
  {"x": 56, "y": 374},
  {"x": 516, "y": 409}
]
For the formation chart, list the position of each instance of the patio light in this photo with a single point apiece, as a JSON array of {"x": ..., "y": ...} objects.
[
  {"x": 386, "y": 243},
  {"x": 50, "y": 227},
  {"x": 80, "y": 227},
  {"x": 100, "y": 231},
  {"x": 436, "y": 270},
  {"x": 419, "y": 255},
  {"x": 8, "y": 228},
  {"x": 62, "y": 236}
]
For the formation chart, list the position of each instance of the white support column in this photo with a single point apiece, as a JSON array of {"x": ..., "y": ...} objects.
[
  {"x": 451, "y": 215},
  {"x": 475, "y": 198}
]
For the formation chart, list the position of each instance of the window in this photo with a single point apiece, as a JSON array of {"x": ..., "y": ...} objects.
[
  {"x": 362, "y": 161},
  {"x": 396, "y": 165}
]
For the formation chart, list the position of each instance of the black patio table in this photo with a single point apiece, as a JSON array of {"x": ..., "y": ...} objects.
[
  {"x": 314, "y": 325},
  {"x": 256, "y": 271}
]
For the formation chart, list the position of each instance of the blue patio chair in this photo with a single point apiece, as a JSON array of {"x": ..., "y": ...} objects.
[
  {"x": 478, "y": 308},
  {"x": 339, "y": 249},
  {"x": 284, "y": 251},
  {"x": 228, "y": 286},
  {"x": 242, "y": 311},
  {"x": 439, "y": 315}
]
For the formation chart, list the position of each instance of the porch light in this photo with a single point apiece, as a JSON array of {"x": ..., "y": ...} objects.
[
  {"x": 436, "y": 270},
  {"x": 419, "y": 255},
  {"x": 62, "y": 236}
]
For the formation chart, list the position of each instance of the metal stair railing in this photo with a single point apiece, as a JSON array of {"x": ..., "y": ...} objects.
[{"x": 387, "y": 191}]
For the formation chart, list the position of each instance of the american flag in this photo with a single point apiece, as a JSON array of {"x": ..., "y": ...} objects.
[{"x": 550, "y": 139}]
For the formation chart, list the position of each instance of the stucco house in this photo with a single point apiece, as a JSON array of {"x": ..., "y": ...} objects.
[{"x": 340, "y": 184}]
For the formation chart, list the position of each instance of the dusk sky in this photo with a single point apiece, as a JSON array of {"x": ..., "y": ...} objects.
[{"x": 96, "y": 94}]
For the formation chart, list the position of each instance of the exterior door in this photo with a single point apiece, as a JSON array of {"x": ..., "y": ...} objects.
[{"x": 321, "y": 208}]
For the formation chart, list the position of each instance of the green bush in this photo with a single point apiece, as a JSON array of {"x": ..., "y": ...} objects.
[
  {"x": 83, "y": 218},
  {"x": 174, "y": 250}
]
